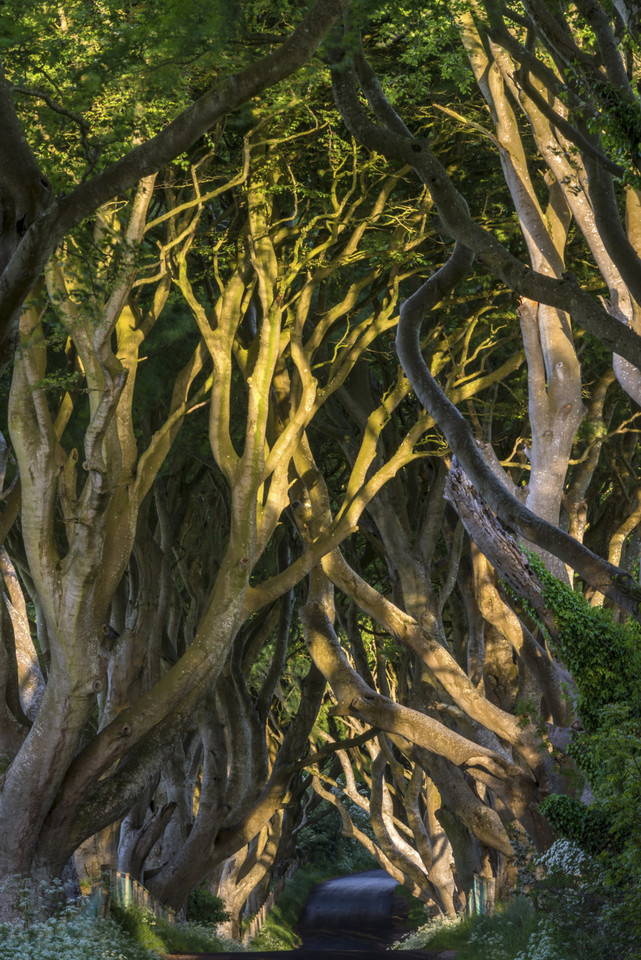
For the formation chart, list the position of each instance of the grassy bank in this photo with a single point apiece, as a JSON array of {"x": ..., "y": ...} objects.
[
  {"x": 502, "y": 937},
  {"x": 517, "y": 931},
  {"x": 50, "y": 927},
  {"x": 133, "y": 935},
  {"x": 159, "y": 936},
  {"x": 278, "y": 931}
]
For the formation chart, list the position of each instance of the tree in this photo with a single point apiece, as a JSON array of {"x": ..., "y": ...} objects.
[
  {"x": 569, "y": 180},
  {"x": 33, "y": 222},
  {"x": 99, "y": 552},
  {"x": 573, "y": 138},
  {"x": 292, "y": 468},
  {"x": 88, "y": 559}
]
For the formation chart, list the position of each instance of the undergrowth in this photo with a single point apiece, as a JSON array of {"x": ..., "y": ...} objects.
[
  {"x": 558, "y": 915},
  {"x": 48, "y": 926},
  {"x": 500, "y": 937},
  {"x": 154, "y": 933},
  {"x": 278, "y": 932}
]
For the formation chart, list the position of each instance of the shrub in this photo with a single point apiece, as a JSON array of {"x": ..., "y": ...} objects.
[
  {"x": 153, "y": 933},
  {"x": 204, "y": 907},
  {"x": 570, "y": 892},
  {"x": 604, "y": 658},
  {"x": 140, "y": 925}
]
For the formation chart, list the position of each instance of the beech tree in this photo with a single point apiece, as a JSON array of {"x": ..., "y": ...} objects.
[
  {"x": 96, "y": 555},
  {"x": 33, "y": 221},
  {"x": 510, "y": 53},
  {"x": 578, "y": 167},
  {"x": 74, "y": 571},
  {"x": 288, "y": 468}
]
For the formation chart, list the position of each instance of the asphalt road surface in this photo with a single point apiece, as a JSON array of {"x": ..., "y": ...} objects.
[
  {"x": 302, "y": 954},
  {"x": 348, "y": 918}
]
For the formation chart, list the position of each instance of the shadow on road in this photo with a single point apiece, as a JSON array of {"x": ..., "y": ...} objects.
[{"x": 348, "y": 918}]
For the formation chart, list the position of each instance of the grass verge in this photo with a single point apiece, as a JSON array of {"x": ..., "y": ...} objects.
[
  {"x": 278, "y": 933},
  {"x": 153, "y": 933},
  {"x": 514, "y": 932}
]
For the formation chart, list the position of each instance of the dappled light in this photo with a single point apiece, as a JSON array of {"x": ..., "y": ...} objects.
[{"x": 320, "y": 512}]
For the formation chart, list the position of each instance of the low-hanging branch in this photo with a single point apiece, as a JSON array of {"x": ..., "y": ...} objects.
[
  {"x": 51, "y": 219},
  {"x": 472, "y": 240}
]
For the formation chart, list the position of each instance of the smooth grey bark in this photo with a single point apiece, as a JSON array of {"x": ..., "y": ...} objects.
[
  {"x": 472, "y": 240},
  {"x": 355, "y": 698},
  {"x": 456, "y": 221},
  {"x": 609, "y": 579}
]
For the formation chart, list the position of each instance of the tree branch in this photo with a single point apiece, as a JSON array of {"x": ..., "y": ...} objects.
[
  {"x": 45, "y": 231},
  {"x": 565, "y": 294}
]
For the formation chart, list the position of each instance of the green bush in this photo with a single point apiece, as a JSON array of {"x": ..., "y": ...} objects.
[
  {"x": 140, "y": 925},
  {"x": 204, "y": 907},
  {"x": 154, "y": 933},
  {"x": 604, "y": 658}
]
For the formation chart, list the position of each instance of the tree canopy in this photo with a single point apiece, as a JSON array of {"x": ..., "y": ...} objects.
[{"x": 316, "y": 324}]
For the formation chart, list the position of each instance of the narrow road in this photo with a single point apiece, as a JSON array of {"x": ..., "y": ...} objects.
[
  {"x": 303, "y": 954},
  {"x": 358, "y": 912},
  {"x": 348, "y": 918}
]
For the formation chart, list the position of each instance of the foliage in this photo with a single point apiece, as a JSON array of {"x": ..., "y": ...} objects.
[
  {"x": 497, "y": 937},
  {"x": 432, "y": 60},
  {"x": 278, "y": 931},
  {"x": 563, "y": 925},
  {"x": 502, "y": 936},
  {"x": 604, "y": 658},
  {"x": 74, "y": 939},
  {"x": 193, "y": 938},
  {"x": 81, "y": 71},
  {"x": 560, "y": 913},
  {"x": 322, "y": 847},
  {"x": 153, "y": 933},
  {"x": 138, "y": 924},
  {"x": 204, "y": 907},
  {"x": 584, "y": 825},
  {"x": 48, "y": 926},
  {"x": 568, "y": 892}
]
